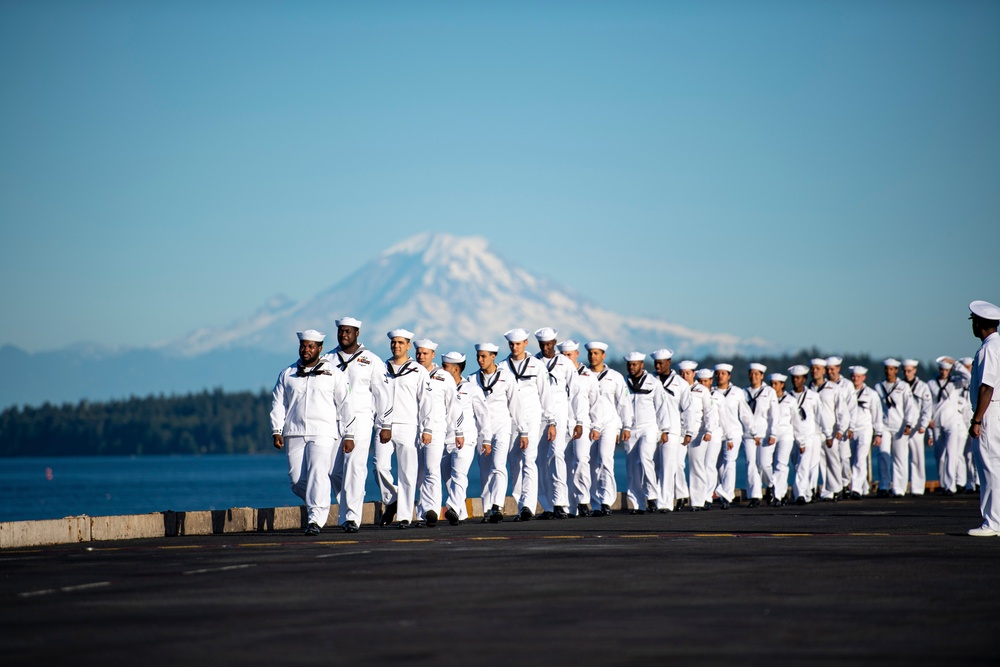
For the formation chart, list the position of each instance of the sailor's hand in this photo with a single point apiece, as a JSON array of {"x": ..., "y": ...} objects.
[
  {"x": 974, "y": 430},
  {"x": 524, "y": 442},
  {"x": 577, "y": 432},
  {"x": 626, "y": 434},
  {"x": 729, "y": 445},
  {"x": 708, "y": 437},
  {"x": 426, "y": 438},
  {"x": 487, "y": 449},
  {"x": 459, "y": 441},
  {"x": 687, "y": 440},
  {"x": 878, "y": 440},
  {"x": 385, "y": 435},
  {"x": 829, "y": 442},
  {"x": 771, "y": 440},
  {"x": 279, "y": 442},
  {"x": 550, "y": 434},
  {"x": 348, "y": 445},
  {"x": 595, "y": 435},
  {"x": 664, "y": 438},
  {"x": 906, "y": 431},
  {"x": 850, "y": 434}
]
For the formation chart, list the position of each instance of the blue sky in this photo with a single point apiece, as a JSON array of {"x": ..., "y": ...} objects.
[{"x": 820, "y": 173}]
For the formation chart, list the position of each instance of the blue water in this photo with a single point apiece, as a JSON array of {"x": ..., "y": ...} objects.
[{"x": 54, "y": 487}]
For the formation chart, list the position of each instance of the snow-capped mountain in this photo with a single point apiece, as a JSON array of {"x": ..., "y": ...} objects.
[{"x": 456, "y": 291}]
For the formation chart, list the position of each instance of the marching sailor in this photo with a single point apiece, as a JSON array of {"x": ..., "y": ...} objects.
[
  {"x": 650, "y": 429},
  {"x": 736, "y": 421},
  {"x": 672, "y": 454},
  {"x": 615, "y": 410},
  {"x": 899, "y": 415},
  {"x": 864, "y": 429},
  {"x": 553, "y": 494},
  {"x": 949, "y": 436},
  {"x": 311, "y": 412},
  {"x": 366, "y": 374},
  {"x": 784, "y": 439},
  {"x": 699, "y": 418},
  {"x": 826, "y": 461},
  {"x": 985, "y": 425},
  {"x": 441, "y": 418},
  {"x": 758, "y": 442},
  {"x": 924, "y": 402},
  {"x": 711, "y": 443},
  {"x": 584, "y": 402},
  {"x": 834, "y": 376},
  {"x": 809, "y": 425}
]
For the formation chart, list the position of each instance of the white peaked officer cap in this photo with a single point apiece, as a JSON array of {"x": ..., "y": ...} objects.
[
  {"x": 596, "y": 345},
  {"x": 834, "y": 361},
  {"x": 349, "y": 322},
  {"x": 425, "y": 343},
  {"x": 487, "y": 347},
  {"x": 568, "y": 345},
  {"x": 311, "y": 335},
  {"x": 965, "y": 361},
  {"x": 662, "y": 353},
  {"x": 635, "y": 356},
  {"x": 817, "y": 362},
  {"x": 758, "y": 367},
  {"x": 985, "y": 310},
  {"x": 545, "y": 334},
  {"x": 942, "y": 362},
  {"x": 687, "y": 365},
  {"x": 400, "y": 333},
  {"x": 911, "y": 363},
  {"x": 891, "y": 362},
  {"x": 778, "y": 377},
  {"x": 724, "y": 367},
  {"x": 452, "y": 358},
  {"x": 798, "y": 369},
  {"x": 516, "y": 335},
  {"x": 858, "y": 370},
  {"x": 704, "y": 374}
]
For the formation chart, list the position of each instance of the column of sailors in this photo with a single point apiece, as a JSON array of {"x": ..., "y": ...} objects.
[{"x": 548, "y": 425}]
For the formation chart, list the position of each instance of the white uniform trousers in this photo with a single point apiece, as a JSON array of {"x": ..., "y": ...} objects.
[
  {"x": 666, "y": 472},
  {"x": 727, "y": 471},
  {"x": 455, "y": 466},
  {"x": 493, "y": 471},
  {"x": 885, "y": 460},
  {"x": 680, "y": 477},
  {"x": 861, "y": 445},
  {"x": 918, "y": 463},
  {"x": 987, "y": 449},
  {"x": 603, "y": 487},
  {"x": 802, "y": 484},
  {"x": 578, "y": 471},
  {"x": 754, "y": 484},
  {"x": 309, "y": 461},
  {"x": 429, "y": 474},
  {"x": 765, "y": 464},
  {"x": 948, "y": 452},
  {"x": 404, "y": 442},
  {"x": 900, "y": 462},
  {"x": 699, "y": 452},
  {"x": 383, "y": 470},
  {"x": 640, "y": 452},
  {"x": 970, "y": 479},
  {"x": 846, "y": 469},
  {"x": 817, "y": 468},
  {"x": 350, "y": 471},
  {"x": 523, "y": 463},
  {"x": 832, "y": 482},
  {"x": 716, "y": 460},
  {"x": 782, "y": 455},
  {"x": 552, "y": 489}
]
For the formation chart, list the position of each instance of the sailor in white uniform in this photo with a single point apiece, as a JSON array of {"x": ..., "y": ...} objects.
[
  {"x": 705, "y": 465},
  {"x": 553, "y": 493},
  {"x": 759, "y": 440},
  {"x": 585, "y": 403},
  {"x": 985, "y": 426},
  {"x": 615, "y": 410},
  {"x": 834, "y": 376},
  {"x": 471, "y": 429},
  {"x": 311, "y": 413},
  {"x": 440, "y": 423},
  {"x": 864, "y": 429},
  {"x": 899, "y": 415},
  {"x": 827, "y": 464},
  {"x": 922, "y": 436},
  {"x": 699, "y": 418},
  {"x": 737, "y": 424},
  {"x": 784, "y": 438},
  {"x": 967, "y": 478},
  {"x": 672, "y": 454},
  {"x": 650, "y": 428},
  {"x": 408, "y": 412},
  {"x": 809, "y": 427},
  {"x": 946, "y": 424},
  {"x": 499, "y": 386},
  {"x": 369, "y": 393}
]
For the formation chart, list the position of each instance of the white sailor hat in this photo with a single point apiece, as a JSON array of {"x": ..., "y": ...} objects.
[
  {"x": 818, "y": 361},
  {"x": 596, "y": 345},
  {"x": 349, "y": 322},
  {"x": 452, "y": 358},
  {"x": 965, "y": 361},
  {"x": 724, "y": 367},
  {"x": 985, "y": 310},
  {"x": 910, "y": 363},
  {"x": 758, "y": 367},
  {"x": 662, "y": 353},
  {"x": 704, "y": 374},
  {"x": 425, "y": 343},
  {"x": 487, "y": 347},
  {"x": 635, "y": 356},
  {"x": 858, "y": 370},
  {"x": 687, "y": 365},
  {"x": 943, "y": 362},
  {"x": 894, "y": 363},
  {"x": 400, "y": 333},
  {"x": 311, "y": 335},
  {"x": 545, "y": 334},
  {"x": 798, "y": 369},
  {"x": 778, "y": 377},
  {"x": 516, "y": 335},
  {"x": 568, "y": 345},
  {"x": 834, "y": 361}
]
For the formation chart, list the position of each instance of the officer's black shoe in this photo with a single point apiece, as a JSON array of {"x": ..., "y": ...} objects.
[
  {"x": 583, "y": 510},
  {"x": 800, "y": 500},
  {"x": 452, "y": 516},
  {"x": 754, "y": 502},
  {"x": 559, "y": 512},
  {"x": 350, "y": 527},
  {"x": 388, "y": 514},
  {"x": 312, "y": 529},
  {"x": 403, "y": 525},
  {"x": 544, "y": 516},
  {"x": 723, "y": 503},
  {"x": 495, "y": 515},
  {"x": 525, "y": 514},
  {"x": 431, "y": 518}
]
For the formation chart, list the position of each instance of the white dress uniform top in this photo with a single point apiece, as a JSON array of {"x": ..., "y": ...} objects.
[
  {"x": 827, "y": 457},
  {"x": 703, "y": 415},
  {"x": 614, "y": 410},
  {"x": 670, "y": 462},
  {"x": 949, "y": 435},
  {"x": 441, "y": 418},
  {"x": 808, "y": 426},
  {"x": 407, "y": 415},
  {"x": 650, "y": 419},
  {"x": 736, "y": 421},
  {"x": 924, "y": 401},
  {"x": 584, "y": 401},
  {"x": 312, "y": 410},
  {"x": 366, "y": 374},
  {"x": 784, "y": 441},
  {"x": 899, "y": 413},
  {"x": 472, "y": 423},
  {"x": 864, "y": 425},
  {"x": 762, "y": 405},
  {"x": 986, "y": 371},
  {"x": 552, "y": 483},
  {"x": 846, "y": 388}
]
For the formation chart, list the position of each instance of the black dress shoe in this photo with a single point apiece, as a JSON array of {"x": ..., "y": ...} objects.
[
  {"x": 776, "y": 502},
  {"x": 800, "y": 500},
  {"x": 312, "y": 529},
  {"x": 495, "y": 515},
  {"x": 452, "y": 516},
  {"x": 388, "y": 514},
  {"x": 560, "y": 512},
  {"x": 855, "y": 495},
  {"x": 664, "y": 511},
  {"x": 708, "y": 505},
  {"x": 754, "y": 502},
  {"x": 525, "y": 514},
  {"x": 695, "y": 508},
  {"x": 544, "y": 516},
  {"x": 403, "y": 525},
  {"x": 583, "y": 510},
  {"x": 651, "y": 506},
  {"x": 723, "y": 503},
  {"x": 431, "y": 518},
  {"x": 350, "y": 527}
]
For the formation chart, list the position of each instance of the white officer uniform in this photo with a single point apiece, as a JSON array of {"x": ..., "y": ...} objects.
[
  {"x": 761, "y": 404},
  {"x": 366, "y": 374},
  {"x": 614, "y": 411},
  {"x": 702, "y": 456},
  {"x": 651, "y": 419},
  {"x": 864, "y": 425},
  {"x": 827, "y": 461},
  {"x": 472, "y": 423},
  {"x": 924, "y": 401},
  {"x": 672, "y": 455},
  {"x": 899, "y": 412},
  {"x": 809, "y": 424},
  {"x": 846, "y": 389},
  {"x": 441, "y": 418},
  {"x": 408, "y": 413},
  {"x": 312, "y": 410},
  {"x": 552, "y": 487},
  {"x": 504, "y": 405},
  {"x": 584, "y": 402},
  {"x": 948, "y": 432},
  {"x": 986, "y": 371},
  {"x": 784, "y": 440}
]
